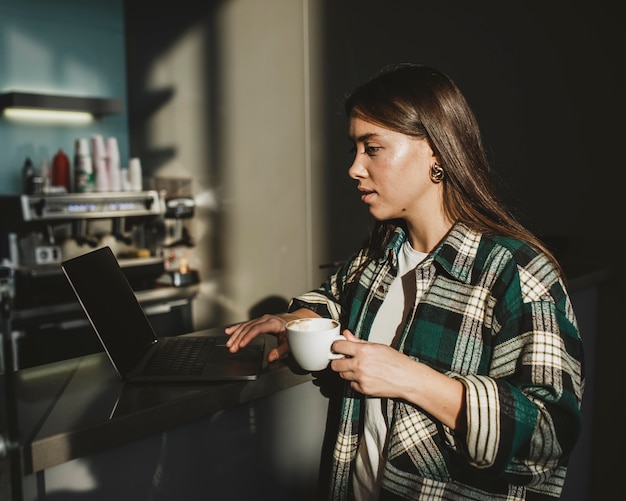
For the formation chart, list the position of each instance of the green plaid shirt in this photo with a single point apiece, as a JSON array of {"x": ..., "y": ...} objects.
[{"x": 493, "y": 313}]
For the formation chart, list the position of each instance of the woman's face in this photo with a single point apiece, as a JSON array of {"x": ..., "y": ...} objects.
[{"x": 393, "y": 171}]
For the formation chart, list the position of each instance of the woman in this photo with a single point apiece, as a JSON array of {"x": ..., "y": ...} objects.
[{"x": 464, "y": 365}]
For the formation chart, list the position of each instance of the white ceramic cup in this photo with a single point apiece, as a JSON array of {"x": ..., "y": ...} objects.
[{"x": 310, "y": 341}]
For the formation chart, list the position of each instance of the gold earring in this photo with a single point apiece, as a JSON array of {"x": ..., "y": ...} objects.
[{"x": 436, "y": 173}]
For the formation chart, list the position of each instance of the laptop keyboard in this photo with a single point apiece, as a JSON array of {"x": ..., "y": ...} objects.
[{"x": 181, "y": 355}]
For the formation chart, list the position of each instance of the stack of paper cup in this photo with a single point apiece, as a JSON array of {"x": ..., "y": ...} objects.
[
  {"x": 113, "y": 165},
  {"x": 134, "y": 174},
  {"x": 99, "y": 154},
  {"x": 124, "y": 179},
  {"x": 83, "y": 167}
]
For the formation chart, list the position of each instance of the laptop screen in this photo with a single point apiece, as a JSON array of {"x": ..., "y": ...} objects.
[{"x": 111, "y": 306}]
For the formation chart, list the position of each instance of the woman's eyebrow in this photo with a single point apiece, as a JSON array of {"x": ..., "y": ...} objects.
[{"x": 363, "y": 137}]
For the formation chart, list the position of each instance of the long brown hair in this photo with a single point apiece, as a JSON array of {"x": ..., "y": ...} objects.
[{"x": 423, "y": 102}]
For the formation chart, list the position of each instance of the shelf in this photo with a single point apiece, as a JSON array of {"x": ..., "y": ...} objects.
[{"x": 96, "y": 106}]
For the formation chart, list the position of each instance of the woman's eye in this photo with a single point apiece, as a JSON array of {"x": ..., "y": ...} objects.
[{"x": 367, "y": 149}]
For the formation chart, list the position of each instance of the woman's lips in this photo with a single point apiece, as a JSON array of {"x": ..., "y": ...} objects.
[{"x": 366, "y": 195}]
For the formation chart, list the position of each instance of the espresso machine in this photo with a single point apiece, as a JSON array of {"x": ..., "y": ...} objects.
[{"x": 39, "y": 231}]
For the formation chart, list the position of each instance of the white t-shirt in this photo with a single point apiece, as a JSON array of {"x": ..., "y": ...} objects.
[{"x": 387, "y": 324}]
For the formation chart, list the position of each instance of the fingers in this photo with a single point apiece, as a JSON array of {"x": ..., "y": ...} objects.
[
  {"x": 373, "y": 369},
  {"x": 241, "y": 334},
  {"x": 349, "y": 336},
  {"x": 278, "y": 352},
  {"x": 346, "y": 347}
]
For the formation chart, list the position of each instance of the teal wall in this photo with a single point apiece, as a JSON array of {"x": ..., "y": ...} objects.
[{"x": 69, "y": 47}]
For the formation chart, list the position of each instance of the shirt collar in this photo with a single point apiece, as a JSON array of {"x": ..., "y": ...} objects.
[{"x": 455, "y": 253}]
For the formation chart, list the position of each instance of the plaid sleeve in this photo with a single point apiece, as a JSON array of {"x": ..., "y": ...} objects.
[{"x": 524, "y": 417}]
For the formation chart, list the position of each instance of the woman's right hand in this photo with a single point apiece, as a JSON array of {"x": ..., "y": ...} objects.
[{"x": 242, "y": 333}]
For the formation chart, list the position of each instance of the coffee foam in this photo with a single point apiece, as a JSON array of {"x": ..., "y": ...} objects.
[{"x": 309, "y": 324}]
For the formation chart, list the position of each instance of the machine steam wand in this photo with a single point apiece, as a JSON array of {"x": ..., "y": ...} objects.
[
  {"x": 80, "y": 234},
  {"x": 118, "y": 231}
]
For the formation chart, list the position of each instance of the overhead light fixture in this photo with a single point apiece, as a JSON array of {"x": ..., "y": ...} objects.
[
  {"x": 47, "y": 107},
  {"x": 33, "y": 115}
]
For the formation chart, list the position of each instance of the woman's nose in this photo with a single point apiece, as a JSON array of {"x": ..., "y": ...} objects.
[{"x": 357, "y": 170}]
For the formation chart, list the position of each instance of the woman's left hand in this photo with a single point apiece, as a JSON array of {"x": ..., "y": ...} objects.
[
  {"x": 374, "y": 369},
  {"x": 378, "y": 370}
]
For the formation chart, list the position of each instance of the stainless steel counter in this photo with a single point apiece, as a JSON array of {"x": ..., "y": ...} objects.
[{"x": 80, "y": 407}]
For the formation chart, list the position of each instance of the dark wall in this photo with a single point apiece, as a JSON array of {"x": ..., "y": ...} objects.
[{"x": 544, "y": 78}]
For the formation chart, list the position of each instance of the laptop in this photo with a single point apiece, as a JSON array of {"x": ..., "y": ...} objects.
[{"x": 130, "y": 342}]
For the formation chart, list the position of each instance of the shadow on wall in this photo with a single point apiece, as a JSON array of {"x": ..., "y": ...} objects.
[{"x": 270, "y": 305}]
